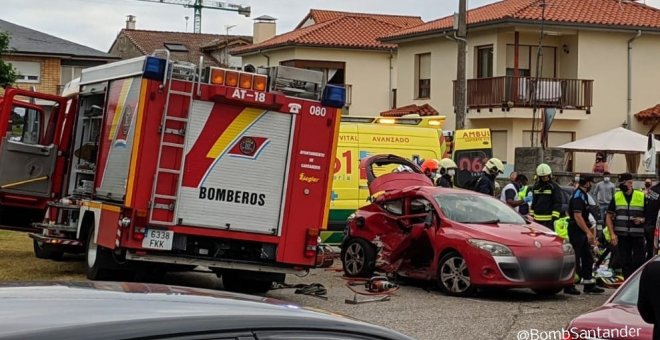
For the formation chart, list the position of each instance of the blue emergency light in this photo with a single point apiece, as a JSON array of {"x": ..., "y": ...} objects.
[
  {"x": 334, "y": 96},
  {"x": 154, "y": 68}
]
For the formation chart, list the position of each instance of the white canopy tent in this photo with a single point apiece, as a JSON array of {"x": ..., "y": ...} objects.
[{"x": 618, "y": 140}]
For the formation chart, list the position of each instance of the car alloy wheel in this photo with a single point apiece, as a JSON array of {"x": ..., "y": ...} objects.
[
  {"x": 453, "y": 275},
  {"x": 354, "y": 258},
  {"x": 358, "y": 258}
]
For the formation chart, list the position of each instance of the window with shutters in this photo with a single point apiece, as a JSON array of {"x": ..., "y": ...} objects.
[
  {"x": 28, "y": 71},
  {"x": 423, "y": 75}
]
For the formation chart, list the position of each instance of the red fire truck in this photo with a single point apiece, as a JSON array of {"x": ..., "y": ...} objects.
[{"x": 161, "y": 165}]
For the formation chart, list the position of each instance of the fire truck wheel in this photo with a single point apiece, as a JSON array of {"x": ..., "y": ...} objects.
[
  {"x": 42, "y": 253},
  {"x": 358, "y": 258},
  {"x": 453, "y": 276},
  {"x": 97, "y": 259}
]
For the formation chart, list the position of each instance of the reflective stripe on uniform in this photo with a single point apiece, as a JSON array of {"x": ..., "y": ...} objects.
[
  {"x": 544, "y": 192},
  {"x": 626, "y": 212},
  {"x": 543, "y": 217}
]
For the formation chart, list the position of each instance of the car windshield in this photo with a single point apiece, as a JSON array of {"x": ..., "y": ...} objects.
[
  {"x": 470, "y": 208},
  {"x": 628, "y": 295}
]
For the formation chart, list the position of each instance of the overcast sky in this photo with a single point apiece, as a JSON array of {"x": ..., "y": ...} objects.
[{"x": 95, "y": 23}]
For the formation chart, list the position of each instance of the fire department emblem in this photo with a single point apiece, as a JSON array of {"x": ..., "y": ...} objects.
[
  {"x": 537, "y": 244},
  {"x": 247, "y": 145}
]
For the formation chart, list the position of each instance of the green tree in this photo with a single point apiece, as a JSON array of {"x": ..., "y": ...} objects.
[{"x": 7, "y": 71}]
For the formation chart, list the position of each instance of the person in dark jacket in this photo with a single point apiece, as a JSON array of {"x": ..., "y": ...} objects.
[
  {"x": 447, "y": 172},
  {"x": 625, "y": 220},
  {"x": 651, "y": 208},
  {"x": 648, "y": 299},
  {"x": 486, "y": 183},
  {"x": 546, "y": 200}
]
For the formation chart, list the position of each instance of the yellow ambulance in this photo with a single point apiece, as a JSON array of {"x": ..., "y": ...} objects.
[{"x": 415, "y": 138}]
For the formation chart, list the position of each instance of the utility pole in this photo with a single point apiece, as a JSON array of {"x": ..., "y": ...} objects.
[
  {"x": 226, "y": 58},
  {"x": 461, "y": 34}
]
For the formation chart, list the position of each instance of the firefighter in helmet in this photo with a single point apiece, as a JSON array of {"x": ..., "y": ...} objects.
[
  {"x": 447, "y": 172},
  {"x": 430, "y": 168},
  {"x": 486, "y": 183},
  {"x": 546, "y": 198}
]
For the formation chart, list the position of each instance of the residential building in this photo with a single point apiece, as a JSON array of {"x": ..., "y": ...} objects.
[
  {"x": 47, "y": 62},
  {"x": 598, "y": 64},
  {"x": 344, "y": 46},
  {"x": 183, "y": 46}
]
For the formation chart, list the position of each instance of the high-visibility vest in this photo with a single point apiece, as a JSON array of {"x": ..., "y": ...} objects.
[
  {"x": 561, "y": 227},
  {"x": 523, "y": 192},
  {"x": 625, "y": 212}
]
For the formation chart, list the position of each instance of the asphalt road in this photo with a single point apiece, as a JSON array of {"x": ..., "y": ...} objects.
[{"x": 424, "y": 313}]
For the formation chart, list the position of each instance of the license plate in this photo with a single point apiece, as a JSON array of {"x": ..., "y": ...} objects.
[
  {"x": 158, "y": 239},
  {"x": 543, "y": 264}
]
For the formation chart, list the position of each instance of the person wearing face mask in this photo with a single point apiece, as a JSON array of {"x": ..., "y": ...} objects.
[
  {"x": 581, "y": 236},
  {"x": 652, "y": 205},
  {"x": 447, "y": 172},
  {"x": 546, "y": 198},
  {"x": 603, "y": 192},
  {"x": 430, "y": 168},
  {"x": 509, "y": 194},
  {"x": 576, "y": 181},
  {"x": 625, "y": 220}
]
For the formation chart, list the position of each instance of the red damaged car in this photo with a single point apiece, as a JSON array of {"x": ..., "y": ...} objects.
[{"x": 460, "y": 239}]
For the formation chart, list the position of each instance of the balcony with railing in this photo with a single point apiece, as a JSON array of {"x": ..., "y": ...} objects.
[{"x": 527, "y": 92}]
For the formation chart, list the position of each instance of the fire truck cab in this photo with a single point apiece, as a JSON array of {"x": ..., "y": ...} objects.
[{"x": 174, "y": 166}]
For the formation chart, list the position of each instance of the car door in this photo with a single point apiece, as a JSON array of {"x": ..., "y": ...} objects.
[{"x": 30, "y": 142}]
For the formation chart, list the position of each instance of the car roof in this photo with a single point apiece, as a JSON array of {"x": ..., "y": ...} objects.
[{"x": 115, "y": 310}]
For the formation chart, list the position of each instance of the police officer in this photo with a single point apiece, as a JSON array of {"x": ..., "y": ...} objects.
[
  {"x": 546, "y": 199},
  {"x": 447, "y": 172},
  {"x": 580, "y": 234},
  {"x": 625, "y": 219}
]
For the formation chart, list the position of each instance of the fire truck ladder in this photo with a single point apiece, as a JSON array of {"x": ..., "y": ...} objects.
[{"x": 186, "y": 72}]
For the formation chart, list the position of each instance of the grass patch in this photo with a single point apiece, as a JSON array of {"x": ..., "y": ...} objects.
[{"x": 18, "y": 263}]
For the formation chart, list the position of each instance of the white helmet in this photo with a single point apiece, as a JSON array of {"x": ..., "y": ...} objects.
[{"x": 494, "y": 166}]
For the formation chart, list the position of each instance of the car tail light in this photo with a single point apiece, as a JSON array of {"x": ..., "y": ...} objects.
[
  {"x": 138, "y": 233},
  {"x": 311, "y": 242}
]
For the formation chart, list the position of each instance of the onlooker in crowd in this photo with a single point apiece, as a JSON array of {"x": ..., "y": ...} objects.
[
  {"x": 603, "y": 193},
  {"x": 600, "y": 166}
]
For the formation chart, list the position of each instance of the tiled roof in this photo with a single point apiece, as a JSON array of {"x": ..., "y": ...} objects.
[
  {"x": 652, "y": 113},
  {"x": 338, "y": 29},
  {"x": 319, "y": 16},
  {"x": 621, "y": 13},
  {"x": 29, "y": 41},
  {"x": 422, "y": 110},
  {"x": 147, "y": 41}
]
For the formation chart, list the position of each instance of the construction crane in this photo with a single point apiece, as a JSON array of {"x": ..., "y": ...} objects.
[{"x": 197, "y": 5}]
